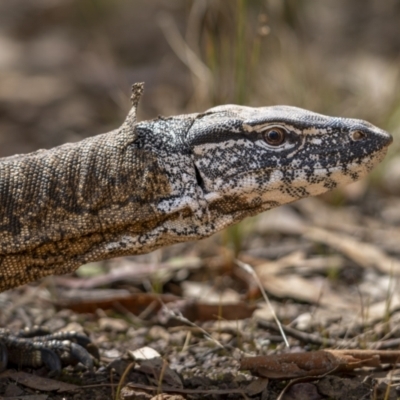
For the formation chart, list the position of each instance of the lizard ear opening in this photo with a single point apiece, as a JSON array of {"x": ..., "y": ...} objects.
[{"x": 199, "y": 178}]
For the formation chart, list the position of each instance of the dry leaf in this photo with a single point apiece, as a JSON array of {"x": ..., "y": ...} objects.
[
  {"x": 364, "y": 254},
  {"x": 317, "y": 363},
  {"x": 38, "y": 382}
]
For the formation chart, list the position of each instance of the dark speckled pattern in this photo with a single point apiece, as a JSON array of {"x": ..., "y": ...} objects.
[{"x": 156, "y": 183}]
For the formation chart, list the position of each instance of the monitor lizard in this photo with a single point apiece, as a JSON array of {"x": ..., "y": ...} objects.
[{"x": 155, "y": 183}]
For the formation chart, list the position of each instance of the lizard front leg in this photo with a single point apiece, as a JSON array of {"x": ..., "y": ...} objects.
[{"x": 37, "y": 347}]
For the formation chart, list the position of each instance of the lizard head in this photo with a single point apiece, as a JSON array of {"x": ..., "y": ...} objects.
[{"x": 259, "y": 158}]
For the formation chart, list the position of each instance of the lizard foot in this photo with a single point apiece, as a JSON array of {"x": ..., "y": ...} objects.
[{"x": 36, "y": 347}]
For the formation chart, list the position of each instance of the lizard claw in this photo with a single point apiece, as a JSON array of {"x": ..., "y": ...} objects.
[
  {"x": 51, "y": 360},
  {"x": 82, "y": 355}
]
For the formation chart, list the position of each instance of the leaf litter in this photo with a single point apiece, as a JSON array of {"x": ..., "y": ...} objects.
[{"x": 209, "y": 327}]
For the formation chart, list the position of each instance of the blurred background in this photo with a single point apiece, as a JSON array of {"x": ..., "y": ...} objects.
[
  {"x": 66, "y": 69},
  {"x": 66, "y": 66}
]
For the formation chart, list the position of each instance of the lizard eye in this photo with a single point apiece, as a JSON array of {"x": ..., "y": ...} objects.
[
  {"x": 274, "y": 136},
  {"x": 358, "y": 135}
]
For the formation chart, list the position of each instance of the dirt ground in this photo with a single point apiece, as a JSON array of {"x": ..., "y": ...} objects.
[{"x": 329, "y": 265}]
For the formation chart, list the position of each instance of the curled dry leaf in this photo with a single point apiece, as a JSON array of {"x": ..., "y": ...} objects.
[
  {"x": 317, "y": 363},
  {"x": 92, "y": 300}
]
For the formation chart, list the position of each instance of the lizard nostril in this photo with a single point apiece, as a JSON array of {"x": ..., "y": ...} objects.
[{"x": 358, "y": 135}]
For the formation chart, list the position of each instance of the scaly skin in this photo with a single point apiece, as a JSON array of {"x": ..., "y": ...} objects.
[{"x": 155, "y": 183}]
